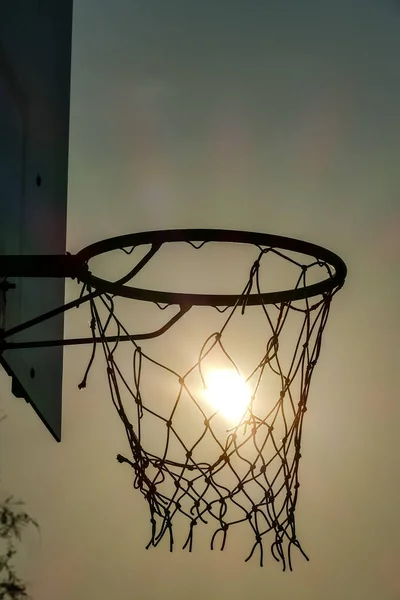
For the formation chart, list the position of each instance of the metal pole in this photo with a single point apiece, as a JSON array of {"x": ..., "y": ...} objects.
[{"x": 40, "y": 266}]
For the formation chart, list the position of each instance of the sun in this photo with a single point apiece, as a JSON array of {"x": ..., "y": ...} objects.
[{"x": 228, "y": 393}]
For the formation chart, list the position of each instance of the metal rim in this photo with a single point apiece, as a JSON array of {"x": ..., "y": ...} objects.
[{"x": 157, "y": 238}]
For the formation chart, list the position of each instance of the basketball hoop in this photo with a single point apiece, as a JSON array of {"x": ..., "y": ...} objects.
[{"x": 259, "y": 454}]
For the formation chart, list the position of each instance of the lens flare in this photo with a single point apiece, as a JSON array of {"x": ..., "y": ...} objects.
[{"x": 228, "y": 393}]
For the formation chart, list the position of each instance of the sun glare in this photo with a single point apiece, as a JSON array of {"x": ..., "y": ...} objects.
[{"x": 228, "y": 393}]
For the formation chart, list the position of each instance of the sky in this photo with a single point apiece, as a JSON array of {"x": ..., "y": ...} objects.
[{"x": 260, "y": 115}]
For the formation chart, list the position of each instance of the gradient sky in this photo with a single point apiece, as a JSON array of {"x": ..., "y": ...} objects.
[{"x": 258, "y": 115}]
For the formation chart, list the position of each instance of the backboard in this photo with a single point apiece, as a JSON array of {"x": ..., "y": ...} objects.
[{"x": 35, "y": 64}]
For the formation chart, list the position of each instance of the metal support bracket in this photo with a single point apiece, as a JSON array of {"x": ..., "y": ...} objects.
[{"x": 67, "y": 266}]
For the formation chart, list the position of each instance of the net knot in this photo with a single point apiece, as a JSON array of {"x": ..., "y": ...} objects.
[
  {"x": 223, "y": 458},
  {"x": 150, "y": 493},
  {"x": 269, "y": 497},
  {"x": 275, "y": 524}
]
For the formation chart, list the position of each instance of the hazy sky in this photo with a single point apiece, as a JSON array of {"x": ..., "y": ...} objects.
[{"x": 263, "y": 115}]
